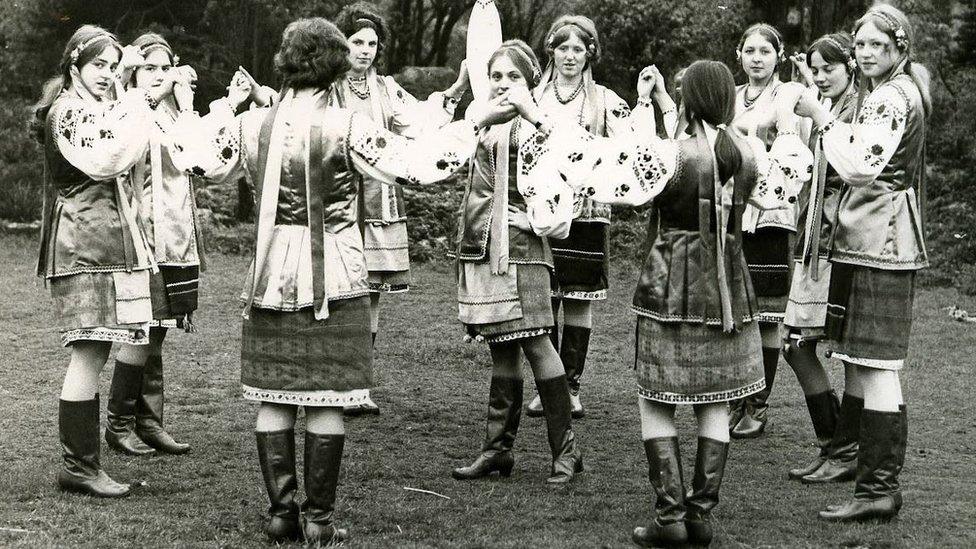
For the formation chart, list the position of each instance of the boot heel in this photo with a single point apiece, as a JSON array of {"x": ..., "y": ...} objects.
[{"x": 506, "y": 470}]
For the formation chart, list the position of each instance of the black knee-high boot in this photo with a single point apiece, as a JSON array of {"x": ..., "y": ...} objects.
[
  {"x": 841, "y": 464},
  {"x": 664, "y": 473},
  {"x": 149, "y": 410},
  {"x": 753, "y": 421},
  {"x": 566, "y": 458},
  {"x": 276, "y": 453},
  {"x": 575, "y": 345},
  {"x": 323, "y": 458},
  {"x": 504, "y": 415},
  {"x": 81, "y": 470},
  {"x": 123, "y": 406},
  {"x": 710, "y": 461},
  {"x": 824, "y": 411},
  {"x": 880, "y": 458}
]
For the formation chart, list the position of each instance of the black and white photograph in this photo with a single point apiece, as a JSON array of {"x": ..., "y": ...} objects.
[{"x": 395, "y": 273}]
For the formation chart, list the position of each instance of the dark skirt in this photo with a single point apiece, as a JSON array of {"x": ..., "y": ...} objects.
[
  {"x": 174, "y": 292},
  {"x": 534, "y": 294},
  {"x": 292, "y": 352},
  {"x": 769, "y": 258},
  {"x": 869, "y": 313},
  {"x": 683, "y": 363},
  {"x": 582, "y": 268}
]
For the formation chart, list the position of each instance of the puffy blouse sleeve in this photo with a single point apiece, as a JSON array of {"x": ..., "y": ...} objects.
[
  {"x": 411, "y": 117},
  {"x": 630, "y": 173},
  {"x": 860, "y": 150},
  {"x": 780, "y": 173},
  {"x": 104, "y": 140},
  {"x": 390, "y": 158},
  {"x": 194, "y": 134},
  {"x": 618, "y": 115},
  {"x": 551, "y": 167}
]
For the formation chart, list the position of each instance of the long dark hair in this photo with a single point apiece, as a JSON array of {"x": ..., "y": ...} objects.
[
  {"x": 313, "y": 54},
  {"x": 87, "y": 43},
  {"x": 708, "y": 92}
]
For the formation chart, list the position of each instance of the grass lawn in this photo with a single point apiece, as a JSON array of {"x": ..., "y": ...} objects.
[{"x": 433, "y": 391}]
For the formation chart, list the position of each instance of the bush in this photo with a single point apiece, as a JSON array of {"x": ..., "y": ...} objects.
[{"x": 21, "y": 166}]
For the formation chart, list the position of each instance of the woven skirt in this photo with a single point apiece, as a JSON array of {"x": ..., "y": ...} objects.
[
  {"x": 175, "y": 294},
  {"x": 869, "y": 315},
  {"x": 533, "y": 299},
  {"x": 806, "y": 309},
  {"x": 291, "y": 358},
  {"x": 582, "y": 268},
  {"x": 387, "y": 256},
  {"x": 768, "y": 254},
  {"x": 109, "y": 307},
  {"x": 682, "y": 363}
]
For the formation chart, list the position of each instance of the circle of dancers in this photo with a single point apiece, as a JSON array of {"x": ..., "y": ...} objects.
[{"x": 783, "y": 216}]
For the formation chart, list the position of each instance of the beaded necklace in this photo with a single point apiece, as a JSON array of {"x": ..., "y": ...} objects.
[
  {"x": 572, "y": 96},
  {"x": 362, "y": 91}
]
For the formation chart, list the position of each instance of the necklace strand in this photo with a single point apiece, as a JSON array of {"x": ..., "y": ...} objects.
[{"x": 572, "y": 96}]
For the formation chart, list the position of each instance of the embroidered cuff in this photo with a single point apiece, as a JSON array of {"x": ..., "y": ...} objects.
[{"x": 645, "y": 102}]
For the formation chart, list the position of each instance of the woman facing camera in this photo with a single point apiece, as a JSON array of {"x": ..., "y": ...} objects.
[
  {"x": 94, "y": 253},
  {"x": 382, "y": 100},
  {"x": 306, "y": 332},
  {"x": 878, "y": 246},
  {"x": 828, "y": 64}
]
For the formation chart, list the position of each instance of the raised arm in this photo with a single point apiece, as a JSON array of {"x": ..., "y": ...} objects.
[
  {"x": 412, "y": 117},
  {"x": 860, "y": 150},
  {"x": 104, "y": 140},
  {"x": 780, "y": 173}
]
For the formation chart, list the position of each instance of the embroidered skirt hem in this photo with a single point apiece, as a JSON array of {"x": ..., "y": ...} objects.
[
  {"x": 526, "y": 313},
  {"x": 695, "y": 363},
  {"x": 110, "y": 334},
  {"x": 389, "y": 282},
  {"x": 324, "y": 399},
  {"x": 580, "y": 260}
]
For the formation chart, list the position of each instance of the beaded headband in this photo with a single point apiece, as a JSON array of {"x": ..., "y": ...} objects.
[{"x": 80, "y": 48}]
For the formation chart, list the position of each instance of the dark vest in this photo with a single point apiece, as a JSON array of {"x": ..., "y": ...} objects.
[{"x": 679, "y": 280}]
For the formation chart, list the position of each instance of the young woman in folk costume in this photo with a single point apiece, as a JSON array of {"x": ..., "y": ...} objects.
[
  {"x": 306, "y": 338},
  {"x": 168, "y": 212},
  {"x": 515, "y": 200},
  {"x": 768, "y": 235},
  {"x": 878, "y": 245},
  {"x": 698, "y": 337},
  {"x": 384, "y": 218},
  {"x": 567, "y": 93},
  {"x": 828, "y": 64},
  {"x": 94, "y": 253}
]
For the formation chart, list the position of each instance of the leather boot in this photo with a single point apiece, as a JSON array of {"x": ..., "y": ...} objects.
[
  {"x": 664, "y": 472},
  {"x": 323, "y": 457},
  {"x": 82, "y": 471},
  {"x": 120, "y": 428},
  {"x": 841, "y": 464},
  {"x": 276, "y": 452},
  {"x": 824, "y": 410},
  {"x": 709, "y": 469},
  {"x": 880, "y": 458},
  {"x": 737, "y": 408},
  {"x": 566, "y": 458},
  {"x": 149, "y": 410},
  {"x": 576, "y": 343},
  {"x": 504, "y": 413},
  {"x": 753, "y": 421}
]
